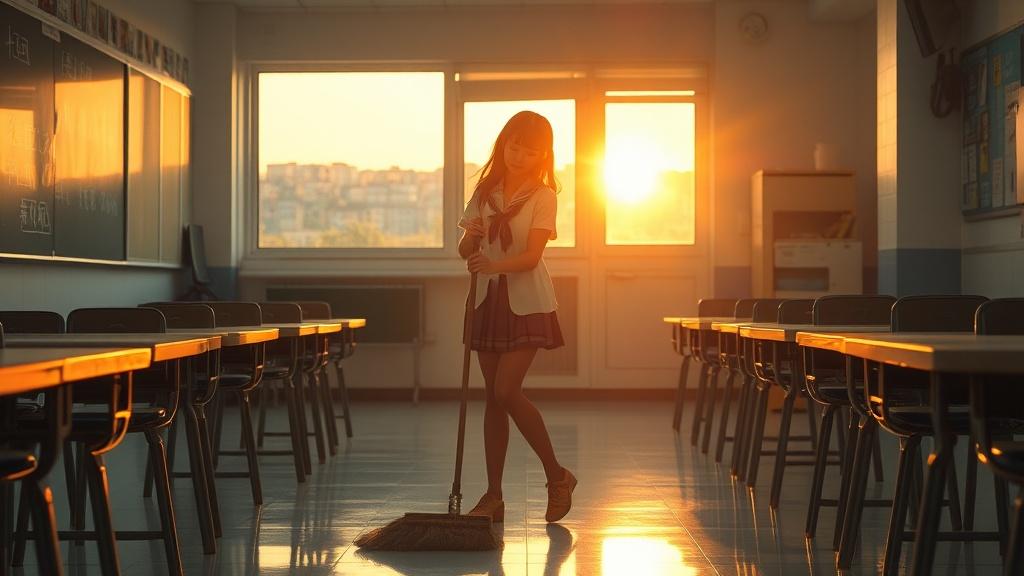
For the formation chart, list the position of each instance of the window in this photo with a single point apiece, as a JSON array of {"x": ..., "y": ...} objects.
[
  {"x": 649, "y": 173},
  {"x": 483, "y": 121},
  {"x": 351, "y": 159}
]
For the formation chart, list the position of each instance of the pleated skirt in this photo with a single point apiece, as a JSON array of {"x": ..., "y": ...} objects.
[{"x": 497, "y": 329}]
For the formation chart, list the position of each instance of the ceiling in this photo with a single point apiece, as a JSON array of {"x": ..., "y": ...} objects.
[{"x": 821, "y": 10}]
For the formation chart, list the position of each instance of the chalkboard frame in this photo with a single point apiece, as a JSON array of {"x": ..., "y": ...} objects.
[{"x": 151, "y": 71}]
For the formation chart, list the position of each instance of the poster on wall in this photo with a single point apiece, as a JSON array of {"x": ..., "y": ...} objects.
[{"x": 989, "y": 155}]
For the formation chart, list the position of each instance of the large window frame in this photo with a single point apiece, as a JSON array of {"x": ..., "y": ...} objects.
[{"x": 586, "y": 84}]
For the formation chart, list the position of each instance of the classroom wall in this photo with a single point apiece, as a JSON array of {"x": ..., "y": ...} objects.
[
  {"x": 62, "y": 287},
  {"x": 993, "y": 250},
  {"x": 809, "y": 82}
]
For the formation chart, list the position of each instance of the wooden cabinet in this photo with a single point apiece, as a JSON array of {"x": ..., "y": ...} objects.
[{"x": 795, "y": 206}]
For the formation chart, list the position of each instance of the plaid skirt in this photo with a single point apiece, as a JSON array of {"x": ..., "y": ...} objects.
[{"x": 497, "y": 329}]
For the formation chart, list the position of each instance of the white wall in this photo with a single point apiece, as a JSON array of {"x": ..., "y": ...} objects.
[
  {"x": 61, "y": 286},
  {"x": 809, "y": 82},
  {"x": 993, "y": 250}
]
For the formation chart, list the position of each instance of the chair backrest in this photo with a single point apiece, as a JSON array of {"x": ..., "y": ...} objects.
[
  {"x": 935, "y": 313},
  {"x": 115, "y": 320},
  {"x": 716, "y": 307},
  {"x": 182, "y": 315},
  {"x": 795, "y": 311},
  {"x": 315, "y": 310},
  {"x": 32, "y": 322},
  {"x": 744, "y": 309},
  {"x": 852, "y": 310},
  {"x": 766, "y": 310},
  {"x": 280, "y": 312},
  {"x": 236, "y": 313},
  {"x": 1001, "y": 316}
]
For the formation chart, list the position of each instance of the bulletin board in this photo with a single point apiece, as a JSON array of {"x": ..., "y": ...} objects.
[{"x": 990, "y": 160}]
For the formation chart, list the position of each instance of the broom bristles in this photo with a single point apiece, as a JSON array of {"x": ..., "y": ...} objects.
[{"x": 432, "y": 532}]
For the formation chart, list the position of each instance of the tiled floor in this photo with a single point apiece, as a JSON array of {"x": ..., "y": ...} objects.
[{"x": 647, "y": 504}]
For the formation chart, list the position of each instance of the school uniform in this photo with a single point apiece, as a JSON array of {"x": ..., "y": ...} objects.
[{"x": 517, "y": 309}]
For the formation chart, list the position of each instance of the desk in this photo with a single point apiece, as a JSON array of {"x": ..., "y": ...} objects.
[
  {"x": 27, "y": 370},
  {"x": 164, "y": 347},
  {"x": 50, "y": 370}
]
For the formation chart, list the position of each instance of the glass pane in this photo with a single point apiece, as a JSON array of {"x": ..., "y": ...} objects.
[
  {"x": 170, "y": 187},
  {"x": 143, "y": 167},
  {"x": 351, "y": 160},
  {"x": 484, "y": 120},
  {"x": 648, "y": 173}
]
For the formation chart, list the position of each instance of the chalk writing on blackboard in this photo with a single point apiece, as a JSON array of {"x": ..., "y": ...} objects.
[
  {"x": 35, "y": 217},
  {"x": 72, "y": 68},
  {"x": 17, "y": 47},
  {"x": 90, "y": 200}
]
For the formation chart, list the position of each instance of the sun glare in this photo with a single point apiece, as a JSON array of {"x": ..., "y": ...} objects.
[{"x": 631, "y": 169}]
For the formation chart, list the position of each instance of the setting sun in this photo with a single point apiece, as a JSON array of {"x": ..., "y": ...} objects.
[{"x": 631, "y": 169}]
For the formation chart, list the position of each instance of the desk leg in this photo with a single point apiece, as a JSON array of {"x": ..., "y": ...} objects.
[
  {"x": 855, "y": 497},
  {"x": 208, "y": 466},
  {"x": 1015, "y": 546},
  {"x": 698, "y": 409},
  {"x": 782, "y": 447},
  {"x": 757, "y": 434},
  {"x": 709, "y": 414},
  {"x": 298, "y": 380},
  {"x": 99, "y": 492},
  {"x": 935, "y": 484},
  {"x": 739, "y": 430},
  {"x": 677, "y": 415},
  {"x": 197, "y": 464},
  {"x": 723, "y": 423}
]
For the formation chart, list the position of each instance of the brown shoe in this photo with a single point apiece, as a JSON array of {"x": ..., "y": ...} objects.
[
  {"x": 489, "y": 506},
  {"x": 560, "y": 496}
]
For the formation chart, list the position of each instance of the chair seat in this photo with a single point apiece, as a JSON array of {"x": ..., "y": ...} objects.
[
  {"x": 233, "y": 381},
  {"x": 1008, "y": 458},
  {"x": 274, "y": 372},
  {"x": 919, "y": 419},
  {"x": 16, "y": 463},
  {"x": 142, "y": 418}
]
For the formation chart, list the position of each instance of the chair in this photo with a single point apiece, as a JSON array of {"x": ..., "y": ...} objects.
[
  {"x": 899, "y": 401},
  {"x": 342, "y": 345},
  {"x": 995, "y": 413},
  {"x": 763, "y": 310},
  {"x": 241, "y": 373},
  {"x": 202, "y": 376},
  {"x": 92, "y": 433},
  {"x": 20, "y": 464},
  {"x": 704, "y": 345},
  {"x": 727, "y": 352},
  {"x": 195, "y": 256},
  {"x": 32, "y": 322},
  {"x": 283, "y": 365}
]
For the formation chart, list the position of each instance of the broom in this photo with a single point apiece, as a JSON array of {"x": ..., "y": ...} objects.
[{"x": 451, "y": 531}]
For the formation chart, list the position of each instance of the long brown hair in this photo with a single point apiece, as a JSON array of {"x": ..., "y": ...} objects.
[{"x": 526, "y": 128}]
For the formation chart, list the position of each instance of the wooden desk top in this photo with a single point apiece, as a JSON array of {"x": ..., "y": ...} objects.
[
  {"x": 704, "y": 323},
  {"x": 674, "y": 320},
  {"x": 231, "y": 336},
  {"x": 960, "y": 352},
  {"x": 25, "y": 370},
  {"x": 292, "y": 330},
  {"x": 347, "y": 323},
  {"x": 729, "y": 327},
  {"x": 788, "y": 332},
  {"x": 834, "y": 341},
  {"x": 164, "y": 346},
  {"x": 329, "y": 327}
]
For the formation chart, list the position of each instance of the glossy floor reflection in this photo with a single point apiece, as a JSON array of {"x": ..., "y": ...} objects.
[{"x": 648, "y": 504}]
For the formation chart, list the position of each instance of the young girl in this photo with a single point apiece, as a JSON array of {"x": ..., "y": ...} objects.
[{"x": 506, "y": 226}]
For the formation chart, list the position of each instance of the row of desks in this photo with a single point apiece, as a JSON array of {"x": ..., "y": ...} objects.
[
  {"x": 930, "y": 352},
  {"x": 36, "y": 361}
]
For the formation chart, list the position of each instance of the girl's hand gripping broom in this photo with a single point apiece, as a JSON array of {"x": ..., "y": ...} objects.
[{"x": 451, "y": 531}]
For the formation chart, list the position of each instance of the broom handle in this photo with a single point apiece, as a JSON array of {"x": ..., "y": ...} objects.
[{"x": 455, "y": 501}]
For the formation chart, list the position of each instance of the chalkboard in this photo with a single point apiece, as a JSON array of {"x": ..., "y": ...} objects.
[
  {"x": 992, "y": 74},
  {"x": 26, "y": 135},
  {"x": 393, "y": 313},
  {"x": 89, "y": 195}
]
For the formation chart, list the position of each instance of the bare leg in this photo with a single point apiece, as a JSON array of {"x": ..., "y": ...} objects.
[
  {"x": 495, "y": 425},
  {"x": 508, "y": 389}
]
